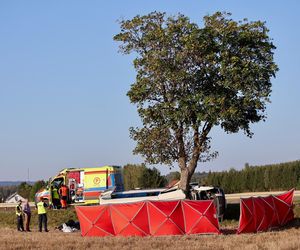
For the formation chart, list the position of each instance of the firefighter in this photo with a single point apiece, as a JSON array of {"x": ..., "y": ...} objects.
[
  {"x": 19, "y": 213},
  {"x": 42, "y": 214},
  {"x": 63, "y": 192}
]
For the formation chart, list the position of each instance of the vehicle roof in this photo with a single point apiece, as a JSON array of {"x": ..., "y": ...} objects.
[
  {"x": 205, "y": 188},
  {"x": 87, "y": 169}
]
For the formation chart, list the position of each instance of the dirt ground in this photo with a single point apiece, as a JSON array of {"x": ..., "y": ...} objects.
[{"x": 287, "y": 238}]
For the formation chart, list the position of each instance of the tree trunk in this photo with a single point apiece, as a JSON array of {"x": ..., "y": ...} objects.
[
  {"x": 184, "y": 184},
  {"x": 188, "y": 169}
]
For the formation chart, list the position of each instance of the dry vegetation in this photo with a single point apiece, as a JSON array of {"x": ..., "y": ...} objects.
[{"x": 286, "y": 238}]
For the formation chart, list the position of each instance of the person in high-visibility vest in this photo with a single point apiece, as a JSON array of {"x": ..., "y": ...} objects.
[
  {"x": 42, "y": 214},
  {"x": 63, "y": 191},
  {"x": 55, "y": 197},
  {"x": 19, "y": 213}
]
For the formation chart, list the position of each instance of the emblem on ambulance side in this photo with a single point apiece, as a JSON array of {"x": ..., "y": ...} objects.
[{"x": 96, "y": 180}]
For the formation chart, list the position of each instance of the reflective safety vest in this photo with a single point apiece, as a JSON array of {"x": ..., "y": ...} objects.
[
  {"x": 40, "y": 207},
  {"x": 19, "y": 210},
  {"x": 55, "y": 194}
]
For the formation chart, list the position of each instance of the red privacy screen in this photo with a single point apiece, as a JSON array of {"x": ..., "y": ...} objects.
[{"x": 149, "y": 218}]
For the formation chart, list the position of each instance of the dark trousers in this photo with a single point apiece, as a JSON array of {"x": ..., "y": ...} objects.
[
  {"x": 43, "y": 220},
  {"x": 20, "y": 223},
  {"x": 56, "y": 203}
]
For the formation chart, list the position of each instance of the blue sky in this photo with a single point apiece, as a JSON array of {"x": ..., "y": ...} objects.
[{"x": 63, "y": 86}]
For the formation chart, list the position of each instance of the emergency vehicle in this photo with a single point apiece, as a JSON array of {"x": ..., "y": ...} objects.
[{"x": 84, "y": 184}]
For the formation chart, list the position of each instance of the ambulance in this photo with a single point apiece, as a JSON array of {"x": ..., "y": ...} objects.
[{"x": 84, "y": 184}]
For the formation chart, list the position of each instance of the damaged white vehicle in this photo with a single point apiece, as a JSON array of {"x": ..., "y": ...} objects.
[{"x": 167, "y": 194}]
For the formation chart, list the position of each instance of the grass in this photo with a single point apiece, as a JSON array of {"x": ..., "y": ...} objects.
[
  {"x": 55, "y": 217},
  {"x": 285, "y": 238}
]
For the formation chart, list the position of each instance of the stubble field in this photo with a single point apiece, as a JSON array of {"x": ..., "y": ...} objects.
[{"x": 285, "y": 238}]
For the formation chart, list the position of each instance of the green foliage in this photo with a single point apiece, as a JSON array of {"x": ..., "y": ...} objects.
[
  {"x": 190, "y": 79},
  {"x": 139, "y": 176},
  {"x": 132, "y": 176},
  {"x": 24, "y": 190},
  {"x": 199, "y": 177},
  {"x": 275, "y": 177},
  {"x": 153, "y": 179},
  {"x": 173, "y": 176},
  {"x": 36, "y": 187},
  {"x": 28, "y": 191}
]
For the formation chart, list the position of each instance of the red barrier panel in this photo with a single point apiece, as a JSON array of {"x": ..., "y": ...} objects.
[
  {"x": 149, "y": 218},
  {"x": 165, "y": 218},
  {"x": 200, "y": 217},
  {"x": 259, "y": 214},
  {"x": 95, "y": 220},
  {"x": 130, "y": 219},
  {"x": 284, "y": 202}
]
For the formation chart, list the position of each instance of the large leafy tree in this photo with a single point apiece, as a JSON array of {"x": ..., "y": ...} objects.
[{"x": 190, "y": 79}]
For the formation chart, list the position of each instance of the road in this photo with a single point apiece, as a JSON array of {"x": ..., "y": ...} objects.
[
  {"x": 235, "y": 198},
  {"x": 231, "y": 198},
  {"x": 9, "y": 206}
]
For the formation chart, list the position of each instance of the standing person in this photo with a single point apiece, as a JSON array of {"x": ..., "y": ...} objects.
[
  {"x": 55, "y": 197},
  {"x": 42, "y": 214},
  {"x": 63, "y": 192},
  {"x": 27, "y": 214},
  {"x": 19, "y": 214}
]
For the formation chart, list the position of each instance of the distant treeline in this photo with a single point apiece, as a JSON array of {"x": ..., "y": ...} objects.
[
  {"x": 26, "y": 190},
  {"x": 274, "y": 177},
  {"x": 139, "y": 176},
  {"x": 282, "y": 176},
  {"x": 13, "y": 183}
]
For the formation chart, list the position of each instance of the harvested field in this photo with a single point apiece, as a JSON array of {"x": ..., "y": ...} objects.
[{"x": 285, "y": 239}]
